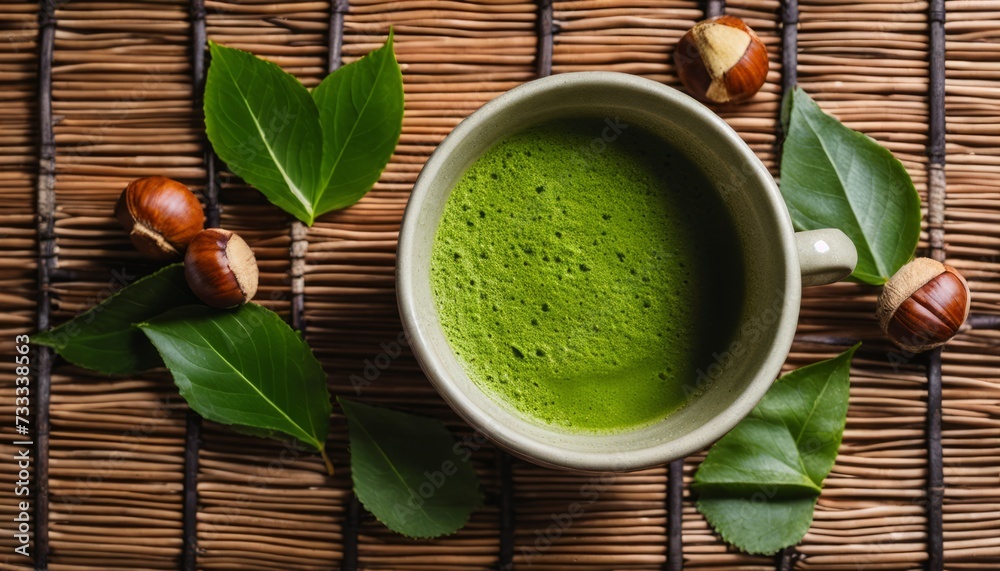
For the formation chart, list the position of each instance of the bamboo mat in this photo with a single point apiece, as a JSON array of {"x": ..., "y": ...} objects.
[{"x": 135, "y": 481}]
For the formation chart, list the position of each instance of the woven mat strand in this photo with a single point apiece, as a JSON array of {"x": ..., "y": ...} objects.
[{"x": 122, "y": 92}]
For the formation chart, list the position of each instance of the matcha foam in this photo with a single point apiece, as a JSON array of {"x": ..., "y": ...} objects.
[{"x": 583, "y": 283}]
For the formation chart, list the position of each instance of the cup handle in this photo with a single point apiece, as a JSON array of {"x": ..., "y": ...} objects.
[{"x": 825, "y": 256}]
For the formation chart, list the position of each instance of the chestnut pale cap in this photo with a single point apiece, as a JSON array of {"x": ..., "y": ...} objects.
[
  {"x": 220, "y": 268},
  {"x": 923, "y": 305},
  {"x": 721, "y": 60}
]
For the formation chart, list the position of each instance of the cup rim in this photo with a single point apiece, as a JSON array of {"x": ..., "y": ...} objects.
[{"x": 545, "y": 453}]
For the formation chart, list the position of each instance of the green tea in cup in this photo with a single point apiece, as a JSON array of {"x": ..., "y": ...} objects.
[{"x": 587, "y": 274}]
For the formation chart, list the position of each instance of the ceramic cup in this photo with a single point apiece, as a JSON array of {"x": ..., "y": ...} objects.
[{"x": 778, "y": 262}]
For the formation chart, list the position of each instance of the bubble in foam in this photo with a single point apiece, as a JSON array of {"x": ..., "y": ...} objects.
[{"x": 526, "y": 191}]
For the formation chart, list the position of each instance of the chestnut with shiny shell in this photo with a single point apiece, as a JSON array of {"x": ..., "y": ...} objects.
[
  {"x": 161, "y": 216},
  {"x": 721, "y": 60},
  {"x": 220, "y": 268},
  {"x": 923, "y": 305}
]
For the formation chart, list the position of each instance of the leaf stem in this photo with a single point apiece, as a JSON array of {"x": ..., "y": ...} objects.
[{"x": 329, "y": 464}]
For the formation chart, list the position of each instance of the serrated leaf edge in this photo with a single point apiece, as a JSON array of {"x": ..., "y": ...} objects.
[
  {"x": 354, "y": 481},
  {"x": 848, "y": 355},
  {"x": 185, "y": 388},
  {"x": 725, "y": 536}
]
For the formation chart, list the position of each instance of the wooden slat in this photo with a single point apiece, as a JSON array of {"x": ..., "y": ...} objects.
[
  {"x": 21, "y": 265},
  {"x": 970, "y": 365},
  {"x": 45, "y": 210}
]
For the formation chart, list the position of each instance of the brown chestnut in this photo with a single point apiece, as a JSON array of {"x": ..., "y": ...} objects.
[
  {"x": 160, "y": 215},
  {"x": 923, "y": 305},
  {"x": 220, "y": 268},
  {"x": 721, "y": 60}
]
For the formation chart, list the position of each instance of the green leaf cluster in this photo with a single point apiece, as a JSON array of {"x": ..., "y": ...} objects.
[
  {"x": 759, "y": 484},
  {"x": 834, "y": 177},
  {"x": 308, "y": 153},
  {"x": 104, "y": 339},
  {"x": 244, "y": 367},
  {"x": 247, "y": 368}
]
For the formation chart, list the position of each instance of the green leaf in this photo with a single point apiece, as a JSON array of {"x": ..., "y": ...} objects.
[
  {"x": 834, "y": 177},
  {"x": 811, "y": 405},
  {"x": 758, "y": 524},
  {"x": 264, "y": 125},
  {"x": 104, "y": 338},
  {"x": 361, "y": 113},
  {"x": 408, "y": 471},
  {"x": 758, "y": 485},
  {"x": 308, "y": 154},
  {"x": 245, "y": 367},
  {"x": 757, "y": 453}
]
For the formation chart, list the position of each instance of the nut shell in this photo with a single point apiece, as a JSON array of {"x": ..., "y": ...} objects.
[
  {"x": 924, "y": 305},
  {"x": 220, "y": 268},
  {"x": 160, "y": 215},
  {"x": 721, "y": 60}
]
